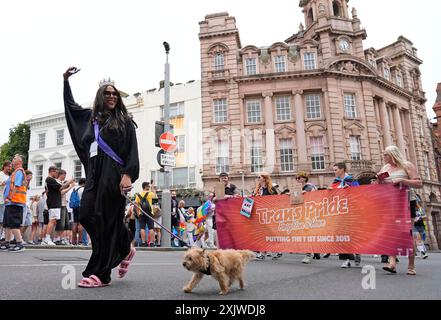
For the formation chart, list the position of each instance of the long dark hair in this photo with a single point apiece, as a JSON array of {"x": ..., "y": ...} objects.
[{"x": 116, "y": 118}]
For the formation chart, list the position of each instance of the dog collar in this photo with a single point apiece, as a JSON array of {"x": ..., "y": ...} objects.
[{"x": 207, "y": 271}]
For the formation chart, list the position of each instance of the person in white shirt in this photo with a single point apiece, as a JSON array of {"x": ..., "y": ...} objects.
[{"x": 4, "y": 176}]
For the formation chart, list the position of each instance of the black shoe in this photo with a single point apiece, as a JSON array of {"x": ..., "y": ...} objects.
[
  {"x": 58, "y": 243},
  {"x": 13, "y": 242},
  {"x": 327, "y": 255},
  {"x": 144, "y": 245},
  {"x": 151, "y": 244},
  {"x": 316, "y": 256}
]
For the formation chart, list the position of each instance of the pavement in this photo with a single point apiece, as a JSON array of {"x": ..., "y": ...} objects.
[{"x": 157, "y": 274}]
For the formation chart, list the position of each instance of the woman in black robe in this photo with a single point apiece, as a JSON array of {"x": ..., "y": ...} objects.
[{"x": 102, "y": 204}]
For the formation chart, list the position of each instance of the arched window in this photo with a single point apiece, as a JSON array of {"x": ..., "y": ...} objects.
[{"x": 336, "y": 8}]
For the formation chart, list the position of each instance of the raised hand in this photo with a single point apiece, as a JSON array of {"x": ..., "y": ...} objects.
[{"x": 70, "y": 71}]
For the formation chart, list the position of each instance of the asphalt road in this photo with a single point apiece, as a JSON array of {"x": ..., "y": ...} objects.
[{"x": 37, "y": 274}]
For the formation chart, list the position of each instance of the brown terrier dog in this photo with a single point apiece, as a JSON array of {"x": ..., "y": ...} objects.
[{"x": 225, "y": 266}]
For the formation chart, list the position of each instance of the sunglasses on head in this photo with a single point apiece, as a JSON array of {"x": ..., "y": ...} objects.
[{"x": 110, "y": 93}]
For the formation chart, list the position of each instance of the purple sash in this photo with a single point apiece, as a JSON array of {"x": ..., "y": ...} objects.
[{"x": 104, "y": 146}]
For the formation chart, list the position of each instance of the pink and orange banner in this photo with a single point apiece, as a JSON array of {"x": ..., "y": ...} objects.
[{"x": 372, "y": 219}]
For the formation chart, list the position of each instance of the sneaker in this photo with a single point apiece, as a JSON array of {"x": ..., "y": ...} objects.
[
  {"x": 13, "y": 241},
  {"x": 346, "y": 264},
  {"x": 424, "y": 255},
  {"x": 17, "y": 248},
  {"x": 276, "y": 255},
  {"x": 4, "y": 247},
  {"x": 58, "y": 243},
  {"x": 260, "y": 256},
  {"x": 327, "y": 255},
  {"x": 48, "y": 242},
  {"x": 65, "y": 242},
  {"x": 306, "y": 260},
  {"x": 31, "y": 242},
  {"x": 316, "y": 256},
  {"x": 357, "y": 260}
]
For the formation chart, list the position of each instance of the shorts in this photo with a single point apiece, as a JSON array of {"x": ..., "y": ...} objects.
[
  {"x": 55, "y": 214},
  {"x": 2, "y": 212},
  {"x": 63, "y": 223},
  {"x": 46, "y": 217},
  {"x": 145, "y": 221},
  {"x": 156, "y": 225},
  {"x": 13, "y": 217},
  {"x": 420, "y": 230},
  {"x": 27, "y": 217},
  {"x": 76, "y": 215}
]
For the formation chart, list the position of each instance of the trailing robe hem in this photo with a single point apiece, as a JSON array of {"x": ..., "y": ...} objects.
[{"x": 102, "y": 205}]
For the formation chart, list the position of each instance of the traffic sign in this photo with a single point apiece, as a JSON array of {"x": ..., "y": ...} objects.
[
  {"x": 167, "y": 141},
  {"x": 168, "y": 159}
]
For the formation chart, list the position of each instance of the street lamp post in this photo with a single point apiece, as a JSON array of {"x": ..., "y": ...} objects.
[{"x": 166, "y": 197}]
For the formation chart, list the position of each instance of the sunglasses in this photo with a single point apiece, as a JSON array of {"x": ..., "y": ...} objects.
[{"x": 110, "y": 93}]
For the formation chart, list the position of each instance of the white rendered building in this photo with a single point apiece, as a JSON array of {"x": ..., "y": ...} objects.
[{"x": 50, "y": 142}]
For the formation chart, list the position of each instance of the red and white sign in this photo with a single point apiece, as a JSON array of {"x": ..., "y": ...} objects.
[{"x": 167, "y": 141}]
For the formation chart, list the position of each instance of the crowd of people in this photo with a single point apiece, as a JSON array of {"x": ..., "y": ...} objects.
[
  {"x": 53, "y": 216},
  {"x": 399, "y": 171}
]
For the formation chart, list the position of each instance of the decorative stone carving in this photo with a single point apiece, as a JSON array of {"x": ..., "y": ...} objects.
[
  {"x": 293, "y": 53},
  {"x": 354, "y": 13},
  {"x": 348, "y": 67},
  {"x": 351, "y": 67},
  {"x": 301, "y": 27},
  {"x": 265, "y": 56},
  {"x": 322, "y": 10}
]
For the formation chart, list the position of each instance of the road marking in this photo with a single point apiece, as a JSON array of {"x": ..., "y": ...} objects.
[{"x": 78, "y": 264}]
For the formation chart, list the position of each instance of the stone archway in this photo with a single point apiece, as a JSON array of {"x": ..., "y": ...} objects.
[{"x": 364, "y": 178}]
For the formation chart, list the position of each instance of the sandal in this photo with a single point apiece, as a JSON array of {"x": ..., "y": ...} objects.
[
  {"x": 92, "y": 282},
  {"x": 411, "y": 271},
  {"x": 390, "y": 268},
  {"x": 124, "y": 265}
]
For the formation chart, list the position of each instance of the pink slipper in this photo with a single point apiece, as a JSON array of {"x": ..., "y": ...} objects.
[
  {"x": 124, "y": 266},
  {"x": 92, "y": 282}
]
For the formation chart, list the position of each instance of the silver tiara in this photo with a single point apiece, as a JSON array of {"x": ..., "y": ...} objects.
[{"x": 107, "y": 82}]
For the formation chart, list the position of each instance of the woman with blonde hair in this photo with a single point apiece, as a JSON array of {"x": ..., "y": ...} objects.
[
  {"x": 264, "y": 187},
  {"x": 401, "y": 171}
]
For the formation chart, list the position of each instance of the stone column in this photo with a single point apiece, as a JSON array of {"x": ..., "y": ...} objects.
[
  {"x": 387, "y": 138},
  {"x": 399, "y": 130},
  {"x": 269, "y": 135},
  {"x": 302, "y": 151}
]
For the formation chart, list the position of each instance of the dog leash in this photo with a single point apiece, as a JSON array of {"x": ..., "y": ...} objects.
[{"x": 167, "y": 230}]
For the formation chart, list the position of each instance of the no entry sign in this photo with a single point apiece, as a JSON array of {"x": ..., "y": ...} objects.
[{"x": 167, "y": 141}]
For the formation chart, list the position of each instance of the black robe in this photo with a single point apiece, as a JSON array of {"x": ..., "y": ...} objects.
[{"x": 102, "y": 205}]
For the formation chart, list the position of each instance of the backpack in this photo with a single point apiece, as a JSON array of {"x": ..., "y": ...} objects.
[
  {"x": 74, "y": 201},
  {"x": 144, "y": 204}
]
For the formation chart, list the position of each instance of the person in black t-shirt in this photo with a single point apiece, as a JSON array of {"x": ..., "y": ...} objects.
[{"x": 231, "y": 191}]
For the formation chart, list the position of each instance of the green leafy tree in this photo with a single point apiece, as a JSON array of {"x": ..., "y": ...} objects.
[{"x": 19, "y": 137}]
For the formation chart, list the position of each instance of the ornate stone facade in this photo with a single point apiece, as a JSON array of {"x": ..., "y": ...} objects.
[{"x": 313, "y": 100}]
